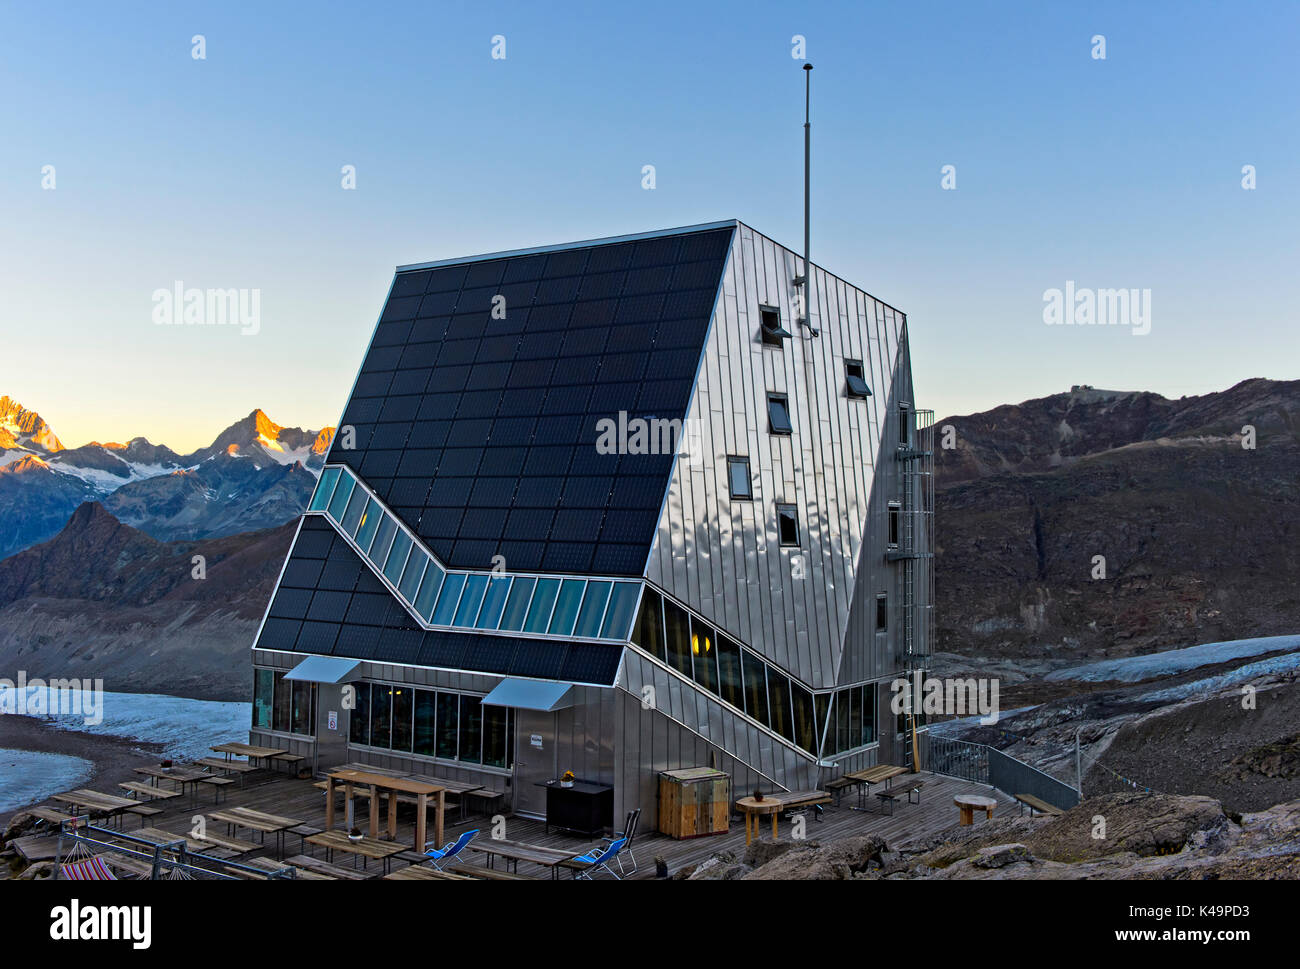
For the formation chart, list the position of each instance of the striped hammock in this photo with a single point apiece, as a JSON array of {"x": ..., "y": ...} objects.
[{"x": 90, "y": 870}]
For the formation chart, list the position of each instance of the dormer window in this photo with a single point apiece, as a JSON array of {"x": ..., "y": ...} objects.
[
  {"x": 855, "y": 379},
  {"x": 778, "y": 414},
  {"x": 774, "y": 334}
]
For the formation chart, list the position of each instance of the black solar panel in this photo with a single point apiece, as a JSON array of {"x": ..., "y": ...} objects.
[{"x": 447, "y": 393}]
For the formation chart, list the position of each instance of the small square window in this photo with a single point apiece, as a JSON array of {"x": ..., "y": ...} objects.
[
  {"x": 773, "y": 332},
  {"x": 882, "y": 613},
  {"x": 856, "y": 380},
  {"x": 738, "y": 478},
  {"x": 787, "y": 522},
  {"x": 778, "y": 414},
  {"x": 895, "y": 523}
]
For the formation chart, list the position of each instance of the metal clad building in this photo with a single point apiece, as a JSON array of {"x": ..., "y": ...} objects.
[{"x": 614, "y": 507}]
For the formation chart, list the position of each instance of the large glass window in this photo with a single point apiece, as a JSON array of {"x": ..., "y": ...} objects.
[
  {"x": 494, "y": 602},
  {"x": 730, "y": 684},
  {"x": 451, "y": 589},
  {"x": 882, "y": 613},
  {"x": 648, "y": 633},
  {"x": 303, "y": 717},
  {"x": 805, "y": 724},
  {"x": 677, "y": 633},
  {"x": 593, "y": 609},
  {"x": 566, "y": 608},
  {"x": 496, "y": 736},
  {"x": 430, "y": 585},
  {"x": 869, "y": 713},
  {"x": 842, "y": 741},
  {"x": 381, "y": 715},
  {"x": 361, "y": 715},
  {"x": 756, "y": 689},
  {"x": 521, "y": 591},
  {"x": 378, "y": 550},
  {"x": 823, "y": 703},
  {"x": 282, "y": 716},
  {"x": 778, "y": 698},
  {"x": 855, "y": 716},
  {"x": 341, "y": 495},
  {"x": 704, "y": 655},
  {"x": 895, "y": 529},
  {"x": 619, "y": 614},
  {"x": 263, "y": 697},
  {"x": 470, "y": 600},
  {"x": 356, "y": 505},
  {"x": 324, "y": 488},
  {"x": 539, "y": 613},
  {"x": 448, "y": 722},
  {"x": 370, "y": 520},
  {"x": 397, "y": 557},
  {"x": 414, "y": 571},
  {"x": 403, "y": 708},
  {"x": 426, "y": 705},
  {"x": 471, "y": 729}
]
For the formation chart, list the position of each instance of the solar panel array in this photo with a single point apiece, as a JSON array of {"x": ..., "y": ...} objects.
[
  {"x": 480, "y": 432},
  {"x": 330, "y": 603}
]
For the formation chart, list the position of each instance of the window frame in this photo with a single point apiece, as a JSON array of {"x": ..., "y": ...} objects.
[
  {"x": 882, "y": 611},
  {"x": 774, "y": 397},
  {"x": 741, "y": 460},
  {"x": 784, "y": 507},
  {"x": 771, "y": 336},
  {"x": 860, "y": 377},
  {"x": 894, "y": 524}
]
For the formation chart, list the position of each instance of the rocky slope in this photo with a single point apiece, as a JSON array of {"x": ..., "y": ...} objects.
[
  {"x": 102, "y": 599},
  {"x": 1197, "y": 532},
  {"x": 1145, "y": 836}
]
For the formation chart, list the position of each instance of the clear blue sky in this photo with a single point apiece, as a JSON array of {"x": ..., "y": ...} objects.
[{"x": 225, "y": 172}]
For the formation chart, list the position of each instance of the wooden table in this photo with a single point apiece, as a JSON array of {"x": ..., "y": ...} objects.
[
  {"x": 873, "y": 775},
  {"x": 157, "y": 836},
  {"x": 247, "y": 750},
  {"x": 109, "y": 804},
  {"x": 970, "y": 803},
  {"x": 516, "y": 851},
  {"x": 365, "y": 848},
  {"x": 422, "y": 790},
  {"x": 179, "y": 775},
  {"x": 458, "y": 788},
  {"x": 753, "y": 809},
  {"x": 257, "y": 821},
  {"x": 151, "y": 791}
]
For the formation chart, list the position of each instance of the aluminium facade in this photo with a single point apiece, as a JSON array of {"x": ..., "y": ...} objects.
[{"x": 612, "y": 507}]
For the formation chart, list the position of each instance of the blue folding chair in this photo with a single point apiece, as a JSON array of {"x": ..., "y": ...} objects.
[
  {"x": 439, "y": 856},
  {"x": 601, "y": 859}
]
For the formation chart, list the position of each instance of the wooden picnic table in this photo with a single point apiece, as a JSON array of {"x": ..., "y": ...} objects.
[
  {"x": 415, "y": 873},
  {"x": 517, "y": 851},
  {"x": 753, "y": 809},
  {"x": 180, "y": 776},
  {"x": 459, "y": 788},
  {"x": 422, "y": 790},
  {"x": 970, "y": 803},
  {"x": 108, "y": 804},
  {"x": 151, "y": 791},
  {"x": 233, "y": 766},
  {"x": 873, "y": 775},
  {"x": 258, "y": 821},
  {"x": 158, "y": 836},
  {"x": 363, "y": 847},
  {"x": 250, "y": 751}
]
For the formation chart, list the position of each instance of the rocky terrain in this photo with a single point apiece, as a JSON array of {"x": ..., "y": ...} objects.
[
  {"x": 102, "y": 599},
  {"x": 1196, "y": 531},
  {"x": 256, "y": 474},
  {"x": 1114, "y": 836}
]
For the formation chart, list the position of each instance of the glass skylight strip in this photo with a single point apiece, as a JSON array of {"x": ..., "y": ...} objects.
[{"x": 553, "y": 606}]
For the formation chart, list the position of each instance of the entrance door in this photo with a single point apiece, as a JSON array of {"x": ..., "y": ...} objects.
[
  {"x": 534, "y": 760},
  {"x": 331, "y": 744}
]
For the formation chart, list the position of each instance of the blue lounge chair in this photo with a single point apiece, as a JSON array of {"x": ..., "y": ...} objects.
[
  {"x": 600, "y": 859},
  {"x": 439, "y": 856},
  {"x": 629, "y": 832}
]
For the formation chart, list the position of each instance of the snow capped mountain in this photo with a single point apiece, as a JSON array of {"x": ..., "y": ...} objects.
[{"x": 256, "y": 474}]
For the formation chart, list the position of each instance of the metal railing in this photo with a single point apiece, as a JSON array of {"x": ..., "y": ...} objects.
[
  {"x": 982, "y": 764},
  {"x": 171, "y": 859}
]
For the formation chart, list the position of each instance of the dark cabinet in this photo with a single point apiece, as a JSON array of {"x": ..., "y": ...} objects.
[{"x": 585, "y": 808}]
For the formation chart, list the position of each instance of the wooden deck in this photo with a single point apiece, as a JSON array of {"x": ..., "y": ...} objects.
[{"x": 294, "y": 798}]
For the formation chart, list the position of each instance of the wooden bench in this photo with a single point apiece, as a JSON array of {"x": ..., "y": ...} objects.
[
  {"x": 1037, "y": 804},
  {"x": 798, "y": 802},
  {"x": 890, "y": 794},
  {"x": 238, "y": 845},
  {"x": 48, "y": 815},
  {"x": 308, "y": 863},
  {"x": 425, "y": 873},
  {"x": 144, "y": 811},
  {"x": 484, "y": 798},
  {"x": 838, "y": 786},
  {"x": 491, "y": 874},
  {"x": 217, "y": 784},
  {"x": 290, "y": 760}
]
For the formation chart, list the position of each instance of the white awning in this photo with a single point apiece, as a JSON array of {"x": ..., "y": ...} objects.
[
  {"x": 323, "y": 669},
  {"x": 530, "y": 695}
]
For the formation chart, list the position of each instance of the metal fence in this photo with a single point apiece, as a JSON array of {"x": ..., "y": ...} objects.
[
  {"x": 982, "y": 764},
  {"x": 165, "y": 861}
]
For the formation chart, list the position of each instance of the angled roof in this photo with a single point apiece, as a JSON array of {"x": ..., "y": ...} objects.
[{"x": 479, "y": 433}]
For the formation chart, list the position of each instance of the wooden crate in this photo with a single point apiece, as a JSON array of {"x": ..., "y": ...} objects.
[{"x": 694, "y": 802}]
